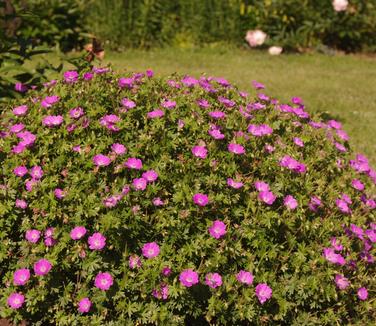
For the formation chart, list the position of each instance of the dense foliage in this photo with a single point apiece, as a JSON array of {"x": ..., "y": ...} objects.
[
  {"x": 293, "y": 24},
  {"x": 137, "y": 200}
]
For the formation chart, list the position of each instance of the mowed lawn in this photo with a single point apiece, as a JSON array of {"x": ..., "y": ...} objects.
[{"x": 342, "y": 86}]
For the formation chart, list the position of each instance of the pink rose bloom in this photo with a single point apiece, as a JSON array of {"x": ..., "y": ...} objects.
[
  {"x": 32, "y": 235},
  {"x": 42, "y": 267},
  {"x": 103, "y": 281},
  {"x": 97, "y": 241},
  {"x": 150, "y": 175},
  {"x": 236, "y": 148},
  {"x": 118, "y": 149},
  {"x": 20, "y": 171},
  {"x": 200, "y": 199},
  {"x": 200, "y": 151},
  {"x": 133, "y": 163},
  {"x": 245, "y": 277},
  {"x": 101, "y": 160},
  {"x": 267, "y": 197},
  {"x": 290, "y": 202},
  {"x": 20, "y": 203},
  {"x": 233, "y": 184},
  {"x": 48, "y": 101},
  {"x": 150, "y": 250},
  {"x": 139, "y": 183},
  {"x": 188, "y": 278},
  {"x": 341, "y": 281},
  {"x": 52, "y": 120},
  {"x": 70, "y": 76},
  {"x": 21, "y": 276},
  {"x": 36, "y": 172},
  {"x": 78, "y": 232},
  {"x": 20, "y": 110},
  {"x": 217, "y": 229},
  {"x": 263, "y": 292},
  {"x": 134, "y": 262},
  {"x": 261, "y": 186},
  {"x": 129, "y": 104},
  {"x": 362, "y": 294},
  {"x": 84, "y": 305},
  {"x": 155, "y": 114},
  {"x": 15, "y": 300},
  {"x": 76, "y": 113},
  {"x": 213, "y": 280}
]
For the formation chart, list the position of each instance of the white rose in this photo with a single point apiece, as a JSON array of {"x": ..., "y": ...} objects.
[
  {"x": 255, "y": 38},
  {"x": 275, "y": 50},
  {"x": 340, "y": 5}
]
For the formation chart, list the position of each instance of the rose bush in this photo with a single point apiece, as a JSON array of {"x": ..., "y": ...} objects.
[{"x": 139, "y": 200}]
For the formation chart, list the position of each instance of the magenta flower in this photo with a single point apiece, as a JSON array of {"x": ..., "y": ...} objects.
[
  {"x": 16, "y": 300},
  {"x": 149, "y": 73},
  {"x": 213, "y": 280},
  {"x": 217, "y": 114},
  {"x": 217, "y": 229},
  {"x": 200, "y": 151},
  {"x": 336, "y": 244},
  {"x": 166, "y": 271},
  {"x": 314, "y": 203},
  {"x": 88, "y": 76},
  {"x": 20, "y": 171},
  {"x": 150, "y": 175},
  {"x": 188, "y": 277},
  {"x": 70, "y": 76},
  {"x": 17, "y": 128},
  {"x": 59, "y": 193},
  {"x": 257, "y": 85},
  {"x": 236, "y": 149},
  {"x": 157, "y": 201},
  {"x": 150, "y": 250},
  {"x": 357, "y": 231},
  {"x": 133, "y": 163},
  {"x": 259, "y": 131},
  {"x": 245, "y": 277},
  {"x": 84, "y": 305},
  {"x": 76, "y": 113},
  {"x": 226, "y": 102},
  {"x": 109, "y": 121},
  {"x": 48, "y": 101},
  {"x": 216, "y": 133},
  {"x": 42, "y": 267},
  {"x": 292, "y": 164},
  {"x": 21, "y": 276},
  {"x": 263, "y": 292},
  {"x": 341, "y": 281},
  {"x": 267, "y": 197},
  {"x": 32, "y": 235},
  {"x": 97, "y": 241},
  {"x": 125, "y": 82},
  {"x": 78, "y": 232},
  {"x": 127, "y": 103},
  {"x": 357, "y": 184},
  {"x": 27, "y": 138},
  {"x": 200, "y": 199},
  {"x": 155, "y": 114},
  {"x": 49, "y": 242},
  {"x": 343, "y": 206},
  {"x": 334, "y": 124},
  {"x": 52, "y": 120},
  {"x": 36, "y": 172},
  {"x": 20, "y": 203},
  {"x": 189, "y": 81},
  {"x": 139, "y": 183},
  {"x": 118, "y": 149},
  {"x": 362, "y": 294},
  {"x": 234, "y": 184},
  {"x": 20, "y": 110},
  {"x": 19, "y": 87},
  {"x": 290, "y": 202},
  {"x": 331, "y": 256},
  {"x": 203, "y": 103},
  {"x": 298, "y": 142},
  {"x": 168, "y": 104},
  {"x": 101, "y": 160},
  {"x": 261, "y": 186},
  {"x": 103, "y": 281},
  {"x": 112, "y": 201},
  {"x": 161, "y": 293},
  {"x": 134, "y": 262}
]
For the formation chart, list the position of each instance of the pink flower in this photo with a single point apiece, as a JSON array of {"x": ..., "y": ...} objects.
[
  {"x": 20, "y": 171},
  {"x": 290, "y": 202},
  {"x": 255, "y": 37},
  {"x": 343, "y": 206},
  {"x": 155, "y": 114},
  {"x": 257, "y": 85},
  {"x": 19, "y": 87},
  {"x": 78, "y": 232},
  {"x": 20, "y": 203},
  {"x": 200, "y": 151},
  {"x": 336, "y": 244},
  {"x": 84, "y": 305},
  {"x": 101, "y": 160},
  {"x": 331, "y": 256},
  {"x": 88, "y": 76},
  {"x": 298, "y": 142},
  {"x": 16, "y": 300},
  {"x": 263, "y": 292},
  {"x": 139, "y": 183},
  {"x": 233, "y": 184},
  {"x": 168, "y": 104},
  {"x": 125, "y": 82},
  {"x": 314, "y": 203},
  {"x": 245, "y": 277},
  {"x": 129, "y": 104},
  {"x": 42, "y": 267},
  {"x": 340, "y": 5},
  {"x": 20, "y": 110},
  {"x": 261, "y": 186},
  {"x": 188, "y": 278},
  {"x": 203, "y": 103},
  {"x": 133, "y": 163},
  {"x": 118, "y": 149},
  {"x": 162, "y": 293},
  {"x": 236, "y": 149},
  {"x": 59, "y": 193},
  {"x": 292, "y": 164},
  {"x": 21, "y": 276},
  {"x": 150, "y": 250},
  {"x": 52, "y": 120},
  {"x": 217, "y": 229},
  {"x": 32, "y": 235},
  {"x": 341, "y": 281},
  {"x": 97, "y": 241},
  {"x": 217, "y": 114},
  {"x": 213, "y": 280},
  {"x": 48, "y": 101},
  {"x": 76, "y": 113},
  {"x": 149, "y": 73},
  {"x": 200, "y": 199},
  {"x": 36, "y": 172},
  {"x": 70, "y": 76},
  {"x": 189, "y": 81},
  {"x": 109, "y": 121},
  {"x": 103, "y": 281},
  {"x": 134, "y": 262},
  {"x": 362, "y": 294},
  {"x": 267, "y": 197},
  {"x": 150, "y": 175},
  {"x": 260, "y": 130},
  {"x": 17, "y": 128},
  {"x": 157, "y": 201},
  {"x": 216, "y": 133},
  {"x": 357, "y": 184},
  {"x": 166, "y": 271}
]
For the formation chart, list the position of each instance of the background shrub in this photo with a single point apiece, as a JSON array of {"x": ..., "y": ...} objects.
[{"x": 148, "y": 221}]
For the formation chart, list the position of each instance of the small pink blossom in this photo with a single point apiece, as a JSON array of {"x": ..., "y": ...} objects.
[
  {"x": 213, "y": 280},
  {"x": 97, "y": 241},
  {"x": 341, "y": 281},
  {"x": 20, "y": 110},
  {"x": 263, "y": 292},
  {"x": 52, "y": 120},
  {"x": 261, "y": 186},
  {"x": 36, "y": 172},
  {"x": 236, "y": 149},
  {"x": 84, "y": 305},
  {"x": 76, "y": 113},
  {"x": 78, "y": 232},
  {"x": 218, "y": 229},
  {"x": 42, "y": 267},
  {"x": 20, "y": 171},
  {"x": 134, "y": 262},
  {"x": 188, "y": 277},
  {"x": 16, "y": 300},
  {"x": 32, "y": 235},
  {"x": 20, "y": 203},
  {"x": 118, "y": 149},
  {"x": 362, "y": 294},
  {"x": 155, "y": 114},
  {"x": 21, "y": 276},
  {"x": 139, "y": 183},
  {"x": 133, "y": 163},
  {"x": 168, "y": 104},
  {"x": 234, "y": 184},
  {"x": 245, "y": 277},
  {"x": 125, "y": 82},
  {"x": 290, "y": 202},
  {"x": 70, "y": 76},
  {"x": 150, "y": 175},
  {"x": 101, "y": 160},
  {"x": 150, "y": 250},
  {"x": 103, "y": 281},
  {"x": 48, "y": 101},
  {"x": 200, "y": 151},
  {"x": 267, "y": 197},
  {"x": 200, "y": 199}
]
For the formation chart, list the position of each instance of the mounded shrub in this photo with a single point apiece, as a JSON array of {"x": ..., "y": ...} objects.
[{"x": 138, "y": 200}]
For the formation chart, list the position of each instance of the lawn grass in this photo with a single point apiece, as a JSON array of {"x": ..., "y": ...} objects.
[{"x": 343, "y": 86}]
